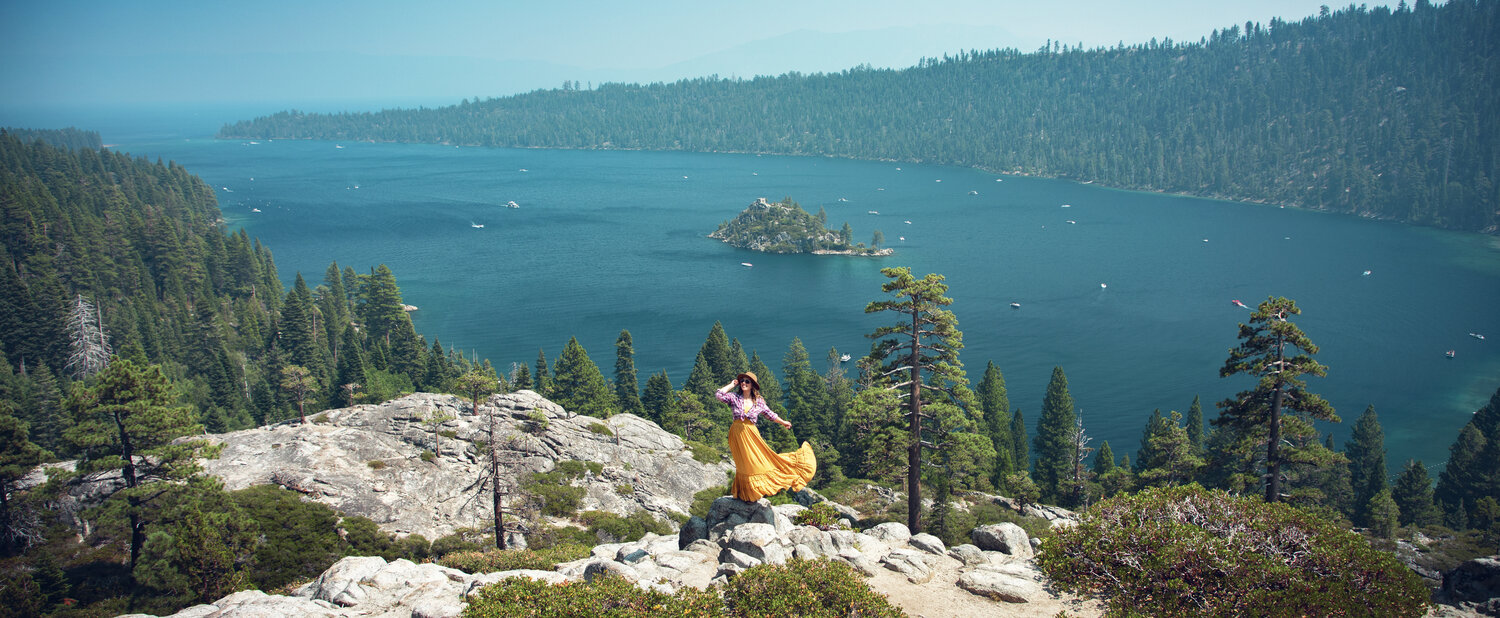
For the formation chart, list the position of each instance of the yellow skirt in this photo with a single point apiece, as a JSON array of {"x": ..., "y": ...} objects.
[{"x": 760, "y": 471}]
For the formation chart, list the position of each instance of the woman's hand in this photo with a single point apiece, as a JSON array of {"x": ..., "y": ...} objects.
[
  {"x": 730, "y": 386},
  {"x": 786, "y": 423}
]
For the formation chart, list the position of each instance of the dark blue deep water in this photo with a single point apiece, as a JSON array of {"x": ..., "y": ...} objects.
[{"x": 604, "y": 241}]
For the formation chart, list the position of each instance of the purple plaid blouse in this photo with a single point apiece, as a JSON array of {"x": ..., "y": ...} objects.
[{"x": 737, "y": 403}]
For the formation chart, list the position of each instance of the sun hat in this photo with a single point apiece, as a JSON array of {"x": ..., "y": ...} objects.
[{"x": 752, "y": 377}]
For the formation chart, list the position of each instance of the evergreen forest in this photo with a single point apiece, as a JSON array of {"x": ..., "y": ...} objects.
[{"x": 1376, "y": 112}]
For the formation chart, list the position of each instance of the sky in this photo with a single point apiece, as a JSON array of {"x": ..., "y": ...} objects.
[{"x": 398, "y": 53}]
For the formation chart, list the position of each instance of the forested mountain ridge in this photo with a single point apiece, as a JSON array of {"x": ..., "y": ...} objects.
[{"x": 1376, "y": 112}]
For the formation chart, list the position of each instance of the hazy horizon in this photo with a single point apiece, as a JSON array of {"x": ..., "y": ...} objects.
[{"x": 389, "y": 54}]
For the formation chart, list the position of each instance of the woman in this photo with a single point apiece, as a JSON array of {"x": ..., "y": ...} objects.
[{"x": 758, "y": 470}]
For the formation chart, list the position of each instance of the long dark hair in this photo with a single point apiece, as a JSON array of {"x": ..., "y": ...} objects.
[{"x": 754, "y": 387}]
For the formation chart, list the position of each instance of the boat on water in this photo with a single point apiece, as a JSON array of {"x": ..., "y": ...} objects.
[
  {"x": 1236, "y": 302},
  {"x": 873, "y": 212},
  {"x": 1477, "y": 336},
  {"x": 845, "y": 358},
  {"x": 1102, "y": 286},
  {"x": 746, "y": 264},
  {"x": 254, "y": 210},
  {"x": 1448, "y": 354},
  {"x": 1072, "y": 222},
  {"x": 339, "y": 146},
  {"x": 1067, "y": 205},
  {"x": 512, "y": 204},
  {"x": 908, "y": 221},
  {"x": 843, "y": 199},
  {"x": 1015, "y": 305},
  {"x": 973, "y": 193},
  {"x": 475, "y": 225},
  {"x": 524, "y": 170},
  {"x": 902, "y": 237},
  {"x": 1366, "y": 274}
]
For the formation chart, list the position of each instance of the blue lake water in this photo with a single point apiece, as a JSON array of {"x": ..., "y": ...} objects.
[{"x": 604, "y": 241}]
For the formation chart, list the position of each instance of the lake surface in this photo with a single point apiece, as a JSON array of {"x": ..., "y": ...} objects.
[{"x": 1128, "y": 292}]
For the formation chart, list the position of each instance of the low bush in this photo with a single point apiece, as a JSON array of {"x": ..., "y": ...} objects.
[
  {"x": 545, "y": 536},
  {"x": 705, "y": 499},
  {"x": 605, "y": 596},
  {"x": 428, "y": 456},
  {"x": 806, "y": 588},
  {"x": 625, "y": 489},
  {"x": 572, "y": 468},
  {"x": 704, "y": 452},
  {"x": 619, "y": 529},
  {"x": 552, "y": 489},
  {"x": 375, "y": 464},
  {"x": 822, "y": 515},
  {"x": 493, "y": 560},
  {"x": 601, "y": 429},
  {"x": 1188, "y": 551},
  {"x": 463, "y": 539}
]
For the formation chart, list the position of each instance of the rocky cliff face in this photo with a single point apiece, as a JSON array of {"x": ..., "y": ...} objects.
[{"x": 367, "y": 460}]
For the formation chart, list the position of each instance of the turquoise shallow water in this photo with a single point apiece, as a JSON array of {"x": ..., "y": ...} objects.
[{"x": 605, "y": 241}]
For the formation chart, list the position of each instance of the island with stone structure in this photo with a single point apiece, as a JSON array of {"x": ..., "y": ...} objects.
[{"x": 783, "y": 227}]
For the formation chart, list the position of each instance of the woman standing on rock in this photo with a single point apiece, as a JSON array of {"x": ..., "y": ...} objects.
[{"x": 758, "y": 470}]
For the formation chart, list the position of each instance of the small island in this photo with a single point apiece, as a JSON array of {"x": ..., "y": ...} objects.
[{"x": 785, "y": 228}]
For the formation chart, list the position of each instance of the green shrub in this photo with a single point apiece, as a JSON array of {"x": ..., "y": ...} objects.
[
  {"x": 821, "y": 515},
  {"x": 375, "y": 464},
  {"x": 1187, "y": 551},
  {"x": 704, "y": 452},
  {"x": 536, "y": 423},
  {"x": 544, "y": 537},
  {"x": 427, "y": 456},
  {"x": 572, "y": 469},
  {"x": 493, "y": 560},
  {"x": 605, "y": 596},
  {"x": 558, "y": 497},
  {"x": 448, "y": 433},
  {"x": 463, "y": 539},
  {"x": 625, "y": 489},
  {"x": 299, "y": 539},
  {"x": 806, "y": 588},
  {"x": 601, "y": 429},
  {"x": 623, "y": 529},
  {"x": 705, "y": 499}
]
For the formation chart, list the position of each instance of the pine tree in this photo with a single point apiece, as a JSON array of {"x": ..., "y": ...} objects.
[
  {"x": 700, "y": 381},
  {"x": 129, "y": 421},
  {"x": 720, "y": 358},
  {"x": 1367, "y": 472},
  {"x": 805, "y": 398},
  {"x": 1146, "y": 456},
  {"x": 298, "y": 333},
  {"x": 1473, "y": 469},
  {"x": 1104, "y": 460},
  {"x": 435, "y": 375},
  {"x": 1382, "y": 514},
  {"x": 739, "y": 363},
  {"x": 1019, "y": 453},
  {"x": 923, "y": 345},
  {"x": 300, "y": 384},
  {"x": 577, "y": 384},
  {"x": 627, "y": 385},
  {"x": 382, "y": 310},
  {"x": 1175, "y": 461},
  {"x": 1195, "y": 426},
  {"x": 1413, "y": 495},
  {"x": 520, "y": 377},
  {"x": 18, "y": 455},
  {"x": 1280, "y": 408},
  {"x": 995, "y": 403},
  {"x": 1053, "y": 443},
  {"x": 659, "y": 402},
  {"x": 351, "y": 368},
  {"x": 770, "y": 387},
  {"x": 543, "y": 375}
]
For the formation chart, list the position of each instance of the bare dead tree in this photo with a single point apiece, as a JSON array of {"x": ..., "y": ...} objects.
[
  {"x": 498, "y": 478},
  {"x": 1081, "y": 451},
  {"x": 89, "y": 343}
]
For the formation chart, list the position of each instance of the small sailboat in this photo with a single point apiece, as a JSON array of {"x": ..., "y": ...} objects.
[
  {"x": 1448, "y": 354},
  {"x": 901, "y": 237},
  {"x": 512, "y": 204},
  {"x": 254, "y": 210},
  {"x": 843, "y": 199},
  {"x": 872, "y": 212},
  {"x": 524, "y": 170},
  {"x": 227, "y": 189},
  {"x": 338, "y": 146},
  {"x": 973, "y": 193}
]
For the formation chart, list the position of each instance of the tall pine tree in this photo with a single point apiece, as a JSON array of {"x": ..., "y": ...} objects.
[
  {"x": 627, "y": 385},
  {"x": 1368, "y": 475},
  {"x": 578, "y": 386},
  {"x": 1054, "y": 443}
]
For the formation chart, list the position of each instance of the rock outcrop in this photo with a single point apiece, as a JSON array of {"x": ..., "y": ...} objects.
[{"x": 368, "y": 460}]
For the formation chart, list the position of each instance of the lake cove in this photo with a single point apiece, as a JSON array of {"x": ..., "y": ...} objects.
[{"x": 1129, "y": 292}]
